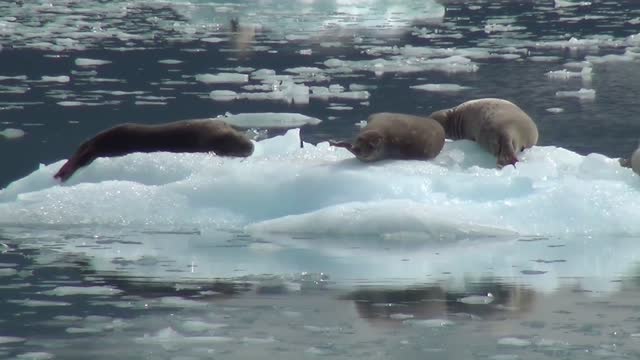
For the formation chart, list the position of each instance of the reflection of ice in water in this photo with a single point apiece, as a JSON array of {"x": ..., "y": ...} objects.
[{"x": 295, "y": 16}]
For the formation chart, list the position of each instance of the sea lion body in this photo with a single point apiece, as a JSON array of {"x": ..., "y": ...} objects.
[
  {"x": 397, "y": 136},
  {"x": 202, "y": 135},
  {"x": 498, "y": 125},
  {"x": 633, "y": 162}
]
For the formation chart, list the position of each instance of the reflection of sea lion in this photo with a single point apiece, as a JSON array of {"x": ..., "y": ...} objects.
[
  {"x": 499, "y": 126},
  {"x": 204, "y": 135},
  {"x": 633, "y": 162},
  {"x": 397, "y": 136}
]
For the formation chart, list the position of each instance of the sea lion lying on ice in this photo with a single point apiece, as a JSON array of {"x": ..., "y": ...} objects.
[
  {"x": 396, "y": 136},
  {"x": 202, "y": 135},
  {"x": 499, "y": 126}
]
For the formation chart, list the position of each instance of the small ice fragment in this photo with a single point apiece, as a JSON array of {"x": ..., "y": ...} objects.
[
  {"x": 70, "y": 103},
  {"x": 268, "y": 340},
  {"x": 90, "y": 62},
  {"x": 440, "y": 87},
  {"x": 11, "y": 133},
  {"x": 504, "y": 357},
  {"x": 198, "y": 326},
  {"x": 477, "y": 299},
  {"x": 551, "y": 343},
  {"x": 212, "y": 39},
  {"x": 223, "y": 95},
  {"x": 10, "y": 339},
  {"x": 565, "y": 3},
  {"x": 35, "y": 356},
  {"x": 222, "y": 78},
  {"x": 513, "y": 341},
  {"x": 181, "y": 302},
  {"x": 39, "y": 303},
  {"x": 336, "y": 88},
  {"x": 169, "y": 61},
  {"x": 400, "y": 316},
  {"x": 361, "y": 123},
  {"x": 430, "y": 323},
  {"x": 564, "y": 74},
  {"x": 582, "y": 94},
  {"x": 83, "y": 330},
  {"x": 60, "y": 79},
  {"x": 270, "y": 120},
  {"x": 305, "y": 52},
  {"x": 340, "y": 108},
  {"x": 555, "y": 110},
  {"x": 292, "y": 37},
  {"x": 82, "y": 290}
]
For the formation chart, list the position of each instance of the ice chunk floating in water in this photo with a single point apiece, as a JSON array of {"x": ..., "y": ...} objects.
[
  {"x": 320, "y": 190},
  {"x": 270, "y": 120}
]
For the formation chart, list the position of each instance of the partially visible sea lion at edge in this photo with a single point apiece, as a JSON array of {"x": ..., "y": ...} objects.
[
  {"x": 397, "y": 136},
  {"x": 633, "y": 162},
  {"x": 499, "y": 126},
  {"x": 201, "y": 135}
]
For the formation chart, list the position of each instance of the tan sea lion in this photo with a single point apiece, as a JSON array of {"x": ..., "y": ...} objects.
[
  {"x": 498, "y": 125},
  {"x": 633, "y": 162},
  {"x": 202, "y": 135},
  {"x": 396, "y": 136}
]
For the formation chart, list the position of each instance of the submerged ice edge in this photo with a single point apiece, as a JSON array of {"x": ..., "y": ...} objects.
[{"x": 320, "y": 190}]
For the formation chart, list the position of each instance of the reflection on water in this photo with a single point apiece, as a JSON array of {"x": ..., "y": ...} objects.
[{"x": 165, "y": 296}]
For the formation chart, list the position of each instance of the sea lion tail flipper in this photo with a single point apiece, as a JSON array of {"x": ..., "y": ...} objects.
[{"x": 66, "y": 170}]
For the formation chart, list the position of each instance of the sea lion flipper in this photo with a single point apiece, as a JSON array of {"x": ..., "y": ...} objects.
[
  {"x": 625, "y": 162},
  {"x": 342, "y": 144},
  {"x": 66, "y": 170}
]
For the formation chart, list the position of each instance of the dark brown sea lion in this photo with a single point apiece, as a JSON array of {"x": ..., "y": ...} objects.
[
  {"x": 498, "y": 125},
  {"x": 202, "y": 135},
  {"x": 397, "y": 136}
]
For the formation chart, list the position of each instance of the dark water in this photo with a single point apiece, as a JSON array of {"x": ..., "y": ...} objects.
[{"x": 75, "y": 293}]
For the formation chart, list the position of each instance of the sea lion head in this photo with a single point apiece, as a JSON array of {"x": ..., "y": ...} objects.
[
  {"x": 232, "y": 144},
  {"x": 369, "y": 146}
]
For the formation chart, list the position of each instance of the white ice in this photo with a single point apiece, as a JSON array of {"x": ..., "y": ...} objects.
[
  {"x": 440, "y": 87},
  {"x": 319, "y": 190},
  {"x": 582, "y": 94},
  {"x": 269, "y": 120},
  {"x": 11, "y": 133},
  {"x": 90, "y": 62},
  {"x": 222, "y": 78}
]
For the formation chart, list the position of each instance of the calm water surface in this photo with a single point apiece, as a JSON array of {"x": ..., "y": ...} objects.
[{"x": 72, "y": 291}]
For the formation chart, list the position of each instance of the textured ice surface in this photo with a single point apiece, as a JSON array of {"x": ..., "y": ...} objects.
[{"x": 321, "y": 190}]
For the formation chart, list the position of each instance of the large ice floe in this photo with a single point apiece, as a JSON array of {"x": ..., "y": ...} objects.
[{"x": 318, "y": 190}]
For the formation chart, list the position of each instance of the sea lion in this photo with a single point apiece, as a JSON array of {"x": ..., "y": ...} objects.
[
  {"x": 498, "y": 125},
  {"x": 633, "y": 162},
  {"x": 202, "y": 135},
  {"x": 396, "y": 136}
]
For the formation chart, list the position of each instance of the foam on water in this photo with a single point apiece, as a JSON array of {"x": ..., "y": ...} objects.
[{"x": 320, "y": 190}]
